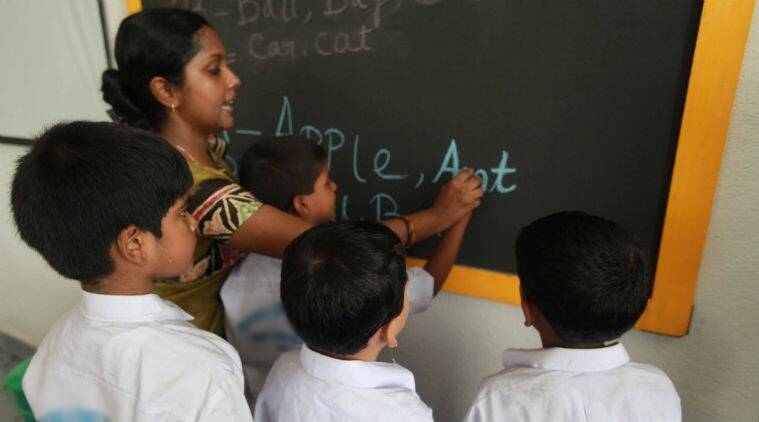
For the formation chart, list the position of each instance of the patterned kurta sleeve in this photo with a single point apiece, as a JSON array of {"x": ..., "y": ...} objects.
[{"x": 221, "y": 207}]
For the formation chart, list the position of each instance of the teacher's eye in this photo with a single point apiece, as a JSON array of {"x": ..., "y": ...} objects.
[{"x": 215, "y": 70}]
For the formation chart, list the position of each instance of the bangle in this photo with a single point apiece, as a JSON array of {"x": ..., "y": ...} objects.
[{"x": 409, "y": 230}]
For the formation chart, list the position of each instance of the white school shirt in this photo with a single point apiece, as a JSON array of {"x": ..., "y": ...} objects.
[
  {"x": 306, "y": 386},
  {"x": 134, "y": 358},
  {"x": 255, "y": 319},
  {"x": 557, "y": 384}
]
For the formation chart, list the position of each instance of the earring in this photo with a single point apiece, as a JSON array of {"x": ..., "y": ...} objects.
[
  {"x": 173, "y": 106},
  {"x": 393, "y": 345}
]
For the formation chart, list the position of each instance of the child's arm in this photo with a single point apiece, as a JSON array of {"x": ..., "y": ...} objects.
[
  {"x": 270, "y": 230},
  {"x": 441, "y": 261},
  {"x": 457, "y": 198}
]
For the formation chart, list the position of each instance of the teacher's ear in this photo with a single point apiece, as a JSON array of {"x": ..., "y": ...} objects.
[{"x": 165, "y": 92}]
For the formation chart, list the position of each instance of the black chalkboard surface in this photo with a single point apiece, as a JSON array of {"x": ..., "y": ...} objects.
[{"x": 557, "y": 104}]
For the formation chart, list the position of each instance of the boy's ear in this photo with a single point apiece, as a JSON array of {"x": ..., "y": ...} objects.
[
  {"x": 165, "y": 92},
  {"x": 131, "y": 247},
  {"x": 527, "y": 310},
  {"x": 300, "y": 206},
  {"x": 390, "y": 331}
]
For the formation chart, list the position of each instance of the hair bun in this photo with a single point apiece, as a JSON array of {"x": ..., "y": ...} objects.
[{"x": 123, "y": 109}]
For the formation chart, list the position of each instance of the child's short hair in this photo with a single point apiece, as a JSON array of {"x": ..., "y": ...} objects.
[
  {"x": 341, "y": 282},
  {"x": 276, "y": 170},
  {"x": 84, "y": 182},
  {"x": 586, "y": 274}
]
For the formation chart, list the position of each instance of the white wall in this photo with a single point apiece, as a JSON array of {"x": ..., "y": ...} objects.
[
  {"x": 715, "y": 367},
  {"x": 33, "y": 295},
  {"x": 459, "y": 340},
  {"x": 51, "y": 59},
  {"x": 52, "y": 56}
]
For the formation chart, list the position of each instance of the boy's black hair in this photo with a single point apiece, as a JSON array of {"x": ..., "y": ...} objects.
[
  {"x": 341, "y": 282},
  {"x": 586, "y": 274},
  {"x": 84, "y": 182},
  {"x": 276, "y": 170},
  {"x": 153, "y": 42}
]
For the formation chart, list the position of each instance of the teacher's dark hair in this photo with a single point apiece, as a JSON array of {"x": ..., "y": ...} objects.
[{"x": 154, "y": 42}]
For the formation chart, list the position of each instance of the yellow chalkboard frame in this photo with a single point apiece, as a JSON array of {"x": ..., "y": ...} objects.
[
  {"x": 717, "y": 60},
  {"x": 713, "y": 80}
]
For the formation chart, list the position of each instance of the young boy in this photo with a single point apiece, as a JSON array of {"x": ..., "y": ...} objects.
[
  {"x": 291, "y": 173},
  {"x": 584, "y": 282},
  {"x": 104, "y": 204},
  {"x": 345, "y": 291}
]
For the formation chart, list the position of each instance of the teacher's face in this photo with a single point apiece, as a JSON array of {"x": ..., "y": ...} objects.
[{"x": 210, "y": 86}]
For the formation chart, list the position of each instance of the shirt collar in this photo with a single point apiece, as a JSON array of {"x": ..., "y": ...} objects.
[
  {"x": 356, "y": 373},
  {"x": 561, "y": 359},
  {"x": 136, "y": 308}
]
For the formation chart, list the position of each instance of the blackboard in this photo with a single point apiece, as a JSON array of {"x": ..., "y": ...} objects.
[
  {"x": 557, "y": 104},
  {"x": 584, "y": 97}
]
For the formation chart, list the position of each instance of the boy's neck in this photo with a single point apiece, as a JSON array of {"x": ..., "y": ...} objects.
[
  {"x": 121, "y": 284},
  {"x": 566, "y": 345},
  {"x": 306, "y": 219},
  {"x": 549, "y": 338},
  {"x": 368, "y": 354}
]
